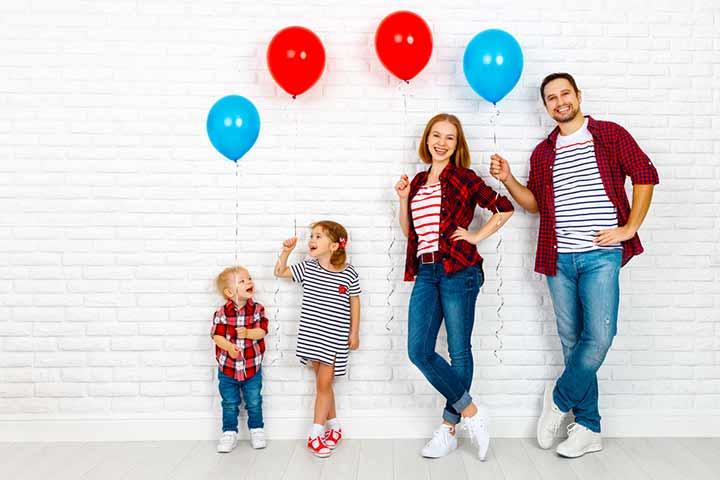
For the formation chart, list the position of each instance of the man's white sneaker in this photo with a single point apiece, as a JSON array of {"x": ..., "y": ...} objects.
[
  {"x": 441, "y": 443},
  {"x": 227, "y": 442},
  {"x": 580, "y": 441},
  {"x": 257, "y": 438},
  {"x": 477, "y": 427},
  {"x": 550, "y": 418}
]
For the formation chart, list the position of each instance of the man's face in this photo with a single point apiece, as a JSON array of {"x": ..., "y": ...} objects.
[{"x": 561, "y": 101}]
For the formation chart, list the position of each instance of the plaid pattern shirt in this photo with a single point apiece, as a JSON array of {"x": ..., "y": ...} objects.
[
  {"x": 461, "y": 191},
  {"x": 225, "y": 321},
  {"x": 618, "y": 156}
]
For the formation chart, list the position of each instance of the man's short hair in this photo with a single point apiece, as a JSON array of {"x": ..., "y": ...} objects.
[{"x": 555, "y": 76}]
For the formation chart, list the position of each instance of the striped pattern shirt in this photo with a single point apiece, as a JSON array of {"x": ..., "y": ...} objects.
[
  {"x": 425, "y": 211},
  {"x": 582, "y": 207},
  {"x": 325, "y": 314}
]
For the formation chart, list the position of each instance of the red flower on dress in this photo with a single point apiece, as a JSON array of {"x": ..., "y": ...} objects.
[{"x": 342, "y": 289}]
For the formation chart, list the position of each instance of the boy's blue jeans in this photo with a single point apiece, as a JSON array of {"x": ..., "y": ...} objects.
[
  {"x": 586, "y": 295},
  {"x": 230, "y": 390},
  {"x": 437, "y": 296}
]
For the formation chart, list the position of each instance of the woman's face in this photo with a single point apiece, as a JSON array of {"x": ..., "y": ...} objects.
[{"x": 442, "y": 140}]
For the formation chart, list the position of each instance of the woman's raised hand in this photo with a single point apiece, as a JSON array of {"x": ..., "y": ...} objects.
[{"x": 402, "y": 187}]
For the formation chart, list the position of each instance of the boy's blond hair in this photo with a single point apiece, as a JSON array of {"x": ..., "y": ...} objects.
[{"x": 223, "y": 278}]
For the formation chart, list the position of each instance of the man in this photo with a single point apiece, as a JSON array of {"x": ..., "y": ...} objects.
[{"x": 587, "y": 232}]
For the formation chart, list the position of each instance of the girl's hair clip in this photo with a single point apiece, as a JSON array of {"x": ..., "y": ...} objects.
[{"x": 342, "y": 241}]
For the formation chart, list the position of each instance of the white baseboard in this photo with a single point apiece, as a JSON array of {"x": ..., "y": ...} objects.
[{"x": 387, "y": 424}]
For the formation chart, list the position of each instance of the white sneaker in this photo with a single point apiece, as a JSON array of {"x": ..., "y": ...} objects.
[
  {"x": 580, "y": 441},
  {"x": 257, "y": 438},
  {"x": 441, "y": 443},
  {"x": 477, "y": 427},
  {"x": 550, "y": 419},
  {"x": 227, "y": 442}
]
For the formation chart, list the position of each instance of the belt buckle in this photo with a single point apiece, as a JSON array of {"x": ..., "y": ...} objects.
[{"x": 422, "y": 259}]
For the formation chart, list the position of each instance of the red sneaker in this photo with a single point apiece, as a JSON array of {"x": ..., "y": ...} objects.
[
  {"x": 318, "y": 447},
  {"x": 332, "y": 437}
]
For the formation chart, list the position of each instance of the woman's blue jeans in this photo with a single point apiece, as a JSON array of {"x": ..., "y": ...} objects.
[{"x": 437, "y": 297}]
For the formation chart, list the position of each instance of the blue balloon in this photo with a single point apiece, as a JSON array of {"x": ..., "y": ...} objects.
[
  {"x": 233, "y": 125},
  {"x": 492, "y": 63}
]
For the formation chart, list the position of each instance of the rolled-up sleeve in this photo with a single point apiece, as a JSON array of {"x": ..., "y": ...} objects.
[{"x": 635, "y": 163}]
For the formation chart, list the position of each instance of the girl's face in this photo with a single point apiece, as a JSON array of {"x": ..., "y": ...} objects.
[
  {"x": 442, "y": 141},
  {"x": 320, "y": 244}
]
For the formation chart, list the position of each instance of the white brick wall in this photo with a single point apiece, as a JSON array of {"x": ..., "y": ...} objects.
[{"x": 116, "y": 212}]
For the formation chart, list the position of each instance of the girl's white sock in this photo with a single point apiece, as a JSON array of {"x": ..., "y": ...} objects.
[
  {"x": 316, "y": 430},
  {"x": 333, "y": 423}
]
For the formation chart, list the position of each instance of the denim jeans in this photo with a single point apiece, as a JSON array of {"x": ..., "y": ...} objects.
[
  {"x": 437, "y": 296},
  {"x": 585, "y": 294},
  {"x": 230, "y": 393}
]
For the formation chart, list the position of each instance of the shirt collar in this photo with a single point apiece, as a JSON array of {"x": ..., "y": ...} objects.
[
  {"x": 552, "y": 138},
  {"x": 248, "y": 305},
  {"x": 446, "y": 171}
]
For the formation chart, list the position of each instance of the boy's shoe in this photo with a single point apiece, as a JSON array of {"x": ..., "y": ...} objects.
[
  {"x": 332, "y": 437},
  {"x": 477, "y": 427},
  {"x": 550, "y": 418},
  {"x": 441, "y": 443},
  {"x": 318, "y": 447},
  {"x": 227, "y": 442},
  {"x": 580, "y": 441},
  {"x": 257, "y": 438}
]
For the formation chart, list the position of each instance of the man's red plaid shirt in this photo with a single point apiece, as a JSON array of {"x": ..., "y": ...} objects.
[
  {"x": 618, "y": 156},
  {"x": 226, "y": 320}
]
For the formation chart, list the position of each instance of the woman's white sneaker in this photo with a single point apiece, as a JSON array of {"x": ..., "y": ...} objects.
[
  {"x": 477, "y": 427},
  {"x": 441, "y": 443},
  {"x": 580, "y": 441}
]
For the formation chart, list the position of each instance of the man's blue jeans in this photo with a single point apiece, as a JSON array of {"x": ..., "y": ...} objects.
[
  {"x": 437, "y": 296},
  {"x": 585, "y": 294},
  {"x": 251, "y": 393}
]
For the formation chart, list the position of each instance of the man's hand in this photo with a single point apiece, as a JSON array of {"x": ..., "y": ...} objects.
[
  {"x": 241, "y": 332},
  {"x": 234, "y": 351},
  {"x": 499, "y": 167},
  {"x": 612, "y": 236}
]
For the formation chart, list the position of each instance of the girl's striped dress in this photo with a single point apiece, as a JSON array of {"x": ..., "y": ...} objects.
[{"x": 325, "y": 314}]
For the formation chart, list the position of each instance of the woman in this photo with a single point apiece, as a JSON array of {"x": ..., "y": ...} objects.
[{"x": 436, "y": 209}]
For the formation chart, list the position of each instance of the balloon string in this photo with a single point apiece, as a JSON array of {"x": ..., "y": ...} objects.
[
  {"x": 237, "y": 209},
  {"x": 393, "y": 214},
  {"x": 498, "y": 248}
]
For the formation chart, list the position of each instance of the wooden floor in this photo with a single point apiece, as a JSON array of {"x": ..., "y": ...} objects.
[{"x": 627, "y": 459}]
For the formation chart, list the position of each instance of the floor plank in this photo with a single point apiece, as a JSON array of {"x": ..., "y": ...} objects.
[
  {"x": 303, "y": 464},
  {"x": 487, "y": 470},
  {"x": 408, "y": 464},
  {"x": 548, "y": 464},
  {"x": 642, "y": 452},
  {"x": 272, "y": 462},
  {"x": 706, "y": 449},
  {"x": 514, "y": 461},
  {"x": 375, "y": 460},
  {"x": 343, "y": 463}
]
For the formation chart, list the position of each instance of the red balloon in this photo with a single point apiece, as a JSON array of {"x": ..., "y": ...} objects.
[
  {"x": 403, "y": 43},
  {"x": 296, "y": 59}
]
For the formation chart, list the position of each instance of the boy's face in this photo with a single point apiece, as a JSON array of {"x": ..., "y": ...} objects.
[
  {"x": 319, "y": 244},
  {"x": 239, "y": 286}
]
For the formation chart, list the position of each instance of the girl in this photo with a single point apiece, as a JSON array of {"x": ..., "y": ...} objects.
[
  {"x": 435, "y": 211},
  {"x": 329, "y": 321}
]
